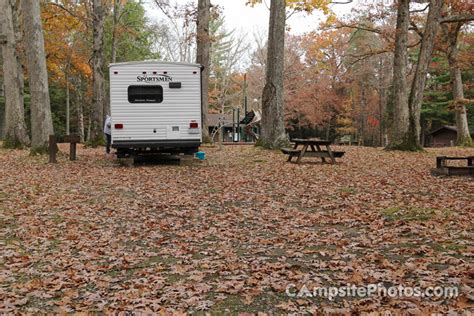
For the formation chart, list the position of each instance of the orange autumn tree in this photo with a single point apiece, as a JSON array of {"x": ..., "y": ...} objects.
[
  {"x": 68, "y": 53},
  {"x": 325, "y": 88}
]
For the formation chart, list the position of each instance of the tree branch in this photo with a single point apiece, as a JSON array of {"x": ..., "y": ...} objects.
[
  {"x": 358, "y": 27},
  {"x": 458, "y": 18},
  {"x": 416, "y": 29},
  {"x": 421, "y": 10},
  {"x": 64, "y": 8},
  {"x": 345, "y": 2}
]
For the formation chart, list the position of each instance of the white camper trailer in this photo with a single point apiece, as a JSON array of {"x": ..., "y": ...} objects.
[{"x": 155, "y": 107}]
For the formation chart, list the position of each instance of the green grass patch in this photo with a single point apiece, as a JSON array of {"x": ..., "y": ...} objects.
[
  {"x": 398, "y": 213},
  {"x": 348, "y": 190},
  {"x": 235, "y": 304},
  {"x": 446, "y": 247}
]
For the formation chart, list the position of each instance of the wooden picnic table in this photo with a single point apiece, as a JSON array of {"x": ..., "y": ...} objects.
[{"x": 311, "y": 147}]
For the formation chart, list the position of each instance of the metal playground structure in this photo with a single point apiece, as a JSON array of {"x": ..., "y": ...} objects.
[{"x": 245, "y": 127}]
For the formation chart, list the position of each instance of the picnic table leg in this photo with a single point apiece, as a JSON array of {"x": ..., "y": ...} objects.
[
  {"x": 302, "y": 153},
  {"x": 331, "y": 154},
  {"x": 470, "y": 161},
  {"x": 53, "y": 149},
  {"x": 290, "y": 156},
  {"x": 322, "y": 158},
  {"x": 439, "y": 162},
  {"x": 72, "y": 151}
]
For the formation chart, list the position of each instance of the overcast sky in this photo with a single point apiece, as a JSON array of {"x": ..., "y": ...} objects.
[{"x": 248, "y": 20}]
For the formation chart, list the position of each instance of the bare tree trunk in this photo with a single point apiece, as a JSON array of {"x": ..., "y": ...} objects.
[
  {"x": 463, "y": 138},
  {"x": 16, "y": 134},
  {"x": 98, "y": 89},
  {"x": 418, "y": 84},
  {"x": 116, "y": 16},
  {"x": 363, "y": 113},
  {"x": 113, "y": 58},
  {"x": 2, "y": 92},
  {"x": 202, "y": 57},
  {"x": 79, "y": 101},
  {"x": 406, "y": 129},
  {"x": 68, "y": 92},
  {"x": 273, "y": 125},
  {"x": 41, "y": 120},
  {"x": 399, "y": 125},
  {"x": 451, "y": 37},
  {"x": 382, "y": 89},
  {"x": 66, "y": 75}
]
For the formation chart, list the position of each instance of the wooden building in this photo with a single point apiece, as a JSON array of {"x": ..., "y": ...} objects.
[{"x": 445, "y": 136}]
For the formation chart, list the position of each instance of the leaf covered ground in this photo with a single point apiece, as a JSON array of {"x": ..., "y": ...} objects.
[{"x": 230, "y": 234}]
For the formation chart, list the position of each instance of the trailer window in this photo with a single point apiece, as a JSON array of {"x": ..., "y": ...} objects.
[{"x": 145, "y": 94}]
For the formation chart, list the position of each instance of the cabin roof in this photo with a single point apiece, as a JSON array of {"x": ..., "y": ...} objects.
[{"x": 444, "y": 127}]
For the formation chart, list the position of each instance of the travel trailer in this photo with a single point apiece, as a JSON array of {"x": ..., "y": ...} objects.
[{"x": 155, "y": 108}]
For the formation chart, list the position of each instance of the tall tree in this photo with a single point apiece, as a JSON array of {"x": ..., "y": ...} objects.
[
  {"x": 406, "y": 129},
  {"x": 117, "y": 8},
  {"x": 98, "y": 86},
  {"x": 202, "y": 57},
  {"x": 400, "y": 124},
  {"x": 451, "y": 33},
  {"x": 464, "y": 137},
  {"x": 16, "y": 134},
  {"x": 273, "y": 127},
  {"x": 412, "y": 140},
  {"x": 41, "y": 120}
]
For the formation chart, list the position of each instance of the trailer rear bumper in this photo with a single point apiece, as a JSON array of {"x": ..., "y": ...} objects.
[{"x": 156, "y": 146}]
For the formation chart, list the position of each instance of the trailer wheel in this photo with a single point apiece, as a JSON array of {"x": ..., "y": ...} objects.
[{"x": 122, "y": 153}]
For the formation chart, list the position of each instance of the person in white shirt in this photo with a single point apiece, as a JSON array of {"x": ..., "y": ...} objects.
[{"x": 108, "y": 133}]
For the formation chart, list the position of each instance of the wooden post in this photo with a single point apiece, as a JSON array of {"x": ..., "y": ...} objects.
[
  {"x": 440, "y": 162},
  {"x": 72, "y": 139},
  {"x": 53, "y": 149},
  {"x": 72, "y": 152}
]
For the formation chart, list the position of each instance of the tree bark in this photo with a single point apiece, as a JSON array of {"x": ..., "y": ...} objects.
[
  {"x": 79, "y": 101},
  {"x": 68, "y": 92},
  {"x": 418, "y": 85},
  {"x": 41, "y": 120},
  {"x": 399, "y": 125},
  {"x": 273, "y": 125},
  {"x": 96, "y": 137},
  {"x": 406, "y": 129},
  {"x": 116, "y": 16},
  {"x": 16, "y": 134},
  {"x": 202, "y": 57},
  {"x": 451, "y": 35}
]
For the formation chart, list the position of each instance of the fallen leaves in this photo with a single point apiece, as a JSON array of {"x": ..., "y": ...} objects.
[{"x": 230, "y": 235}]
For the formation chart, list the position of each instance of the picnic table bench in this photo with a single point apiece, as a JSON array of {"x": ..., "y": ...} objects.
[
  {"x": 443, "y": 168},
  {"x": 72, "y": 139},
  {"x": 312, "y": 148}
]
